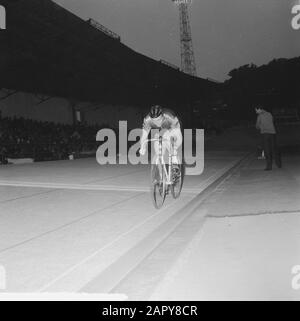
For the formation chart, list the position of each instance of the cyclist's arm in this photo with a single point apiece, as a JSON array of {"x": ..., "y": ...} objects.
[
  {"x": 177, "y": 123},
  {"x": 172, "y": 120},
  {"x": 144, "y": 136},
  {"x": 146, "y": 130}
]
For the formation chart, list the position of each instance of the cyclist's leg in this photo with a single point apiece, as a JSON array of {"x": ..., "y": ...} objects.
[
  {"x": 156, "y": 149},
  {"x": 156, "y": 153},
  {"x": 177, "y": 135},
  {"x": 174, "y": 142},
  {"x": 167, "y": 144}
]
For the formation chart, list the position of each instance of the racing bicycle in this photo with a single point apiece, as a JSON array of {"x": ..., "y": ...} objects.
[{"x": 165, "y": 177}]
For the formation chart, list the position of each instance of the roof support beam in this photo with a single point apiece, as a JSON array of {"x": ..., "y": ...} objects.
[
  {"x": 42, "y": 99},
  {"x": 8, "y": 93}
]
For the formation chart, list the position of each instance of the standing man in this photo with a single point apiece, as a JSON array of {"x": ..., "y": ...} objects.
[{"x": 266, "y": 126}]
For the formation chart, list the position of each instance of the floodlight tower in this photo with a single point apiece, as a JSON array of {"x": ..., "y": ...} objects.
[{"x": 188, "y": 64}]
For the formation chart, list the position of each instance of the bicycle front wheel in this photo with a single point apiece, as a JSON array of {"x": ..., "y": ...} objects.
[{"x": 158, "y": 185}]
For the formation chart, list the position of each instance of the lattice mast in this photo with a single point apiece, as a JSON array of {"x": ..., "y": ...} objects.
[{"x": 188, "y": 64}]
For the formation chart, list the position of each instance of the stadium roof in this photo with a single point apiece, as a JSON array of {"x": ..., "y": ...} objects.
[{"x": 48, "y": 50}]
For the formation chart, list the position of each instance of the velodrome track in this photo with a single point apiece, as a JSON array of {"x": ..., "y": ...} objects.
[{"x": 63, "y": 224}]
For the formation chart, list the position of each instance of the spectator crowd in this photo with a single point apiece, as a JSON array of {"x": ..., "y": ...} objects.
[{"x": 25, "y": 138}]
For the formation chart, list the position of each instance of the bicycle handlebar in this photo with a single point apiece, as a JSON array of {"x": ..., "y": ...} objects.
[{"x": 154, "y": 140}]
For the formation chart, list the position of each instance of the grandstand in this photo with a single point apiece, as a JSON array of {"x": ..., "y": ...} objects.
[{"x": 49, "y": 53}]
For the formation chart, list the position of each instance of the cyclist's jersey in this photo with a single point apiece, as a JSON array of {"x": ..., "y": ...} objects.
[{"x": 169, "y": 121}]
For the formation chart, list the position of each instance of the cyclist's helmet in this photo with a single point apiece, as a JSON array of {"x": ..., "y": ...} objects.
[{"x": 155, "y": 111}]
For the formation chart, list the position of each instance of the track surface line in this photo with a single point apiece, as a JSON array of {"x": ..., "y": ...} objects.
[
  {"x": 68, "y": 271},
  {"x": 99, "y": 211}
]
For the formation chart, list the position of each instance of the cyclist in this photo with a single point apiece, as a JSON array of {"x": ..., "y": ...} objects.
[{"x": 165, "y": 120}]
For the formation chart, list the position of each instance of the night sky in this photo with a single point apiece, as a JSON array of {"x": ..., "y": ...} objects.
[{"x": 226, "y": 33}]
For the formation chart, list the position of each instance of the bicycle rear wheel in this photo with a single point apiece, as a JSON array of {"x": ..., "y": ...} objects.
[
  {"x": 158, "y": 185},
  {"x": 176, "y": 187}
]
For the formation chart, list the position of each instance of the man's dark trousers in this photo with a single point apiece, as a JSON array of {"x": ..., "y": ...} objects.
[{"x": 271, "y": 150}]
